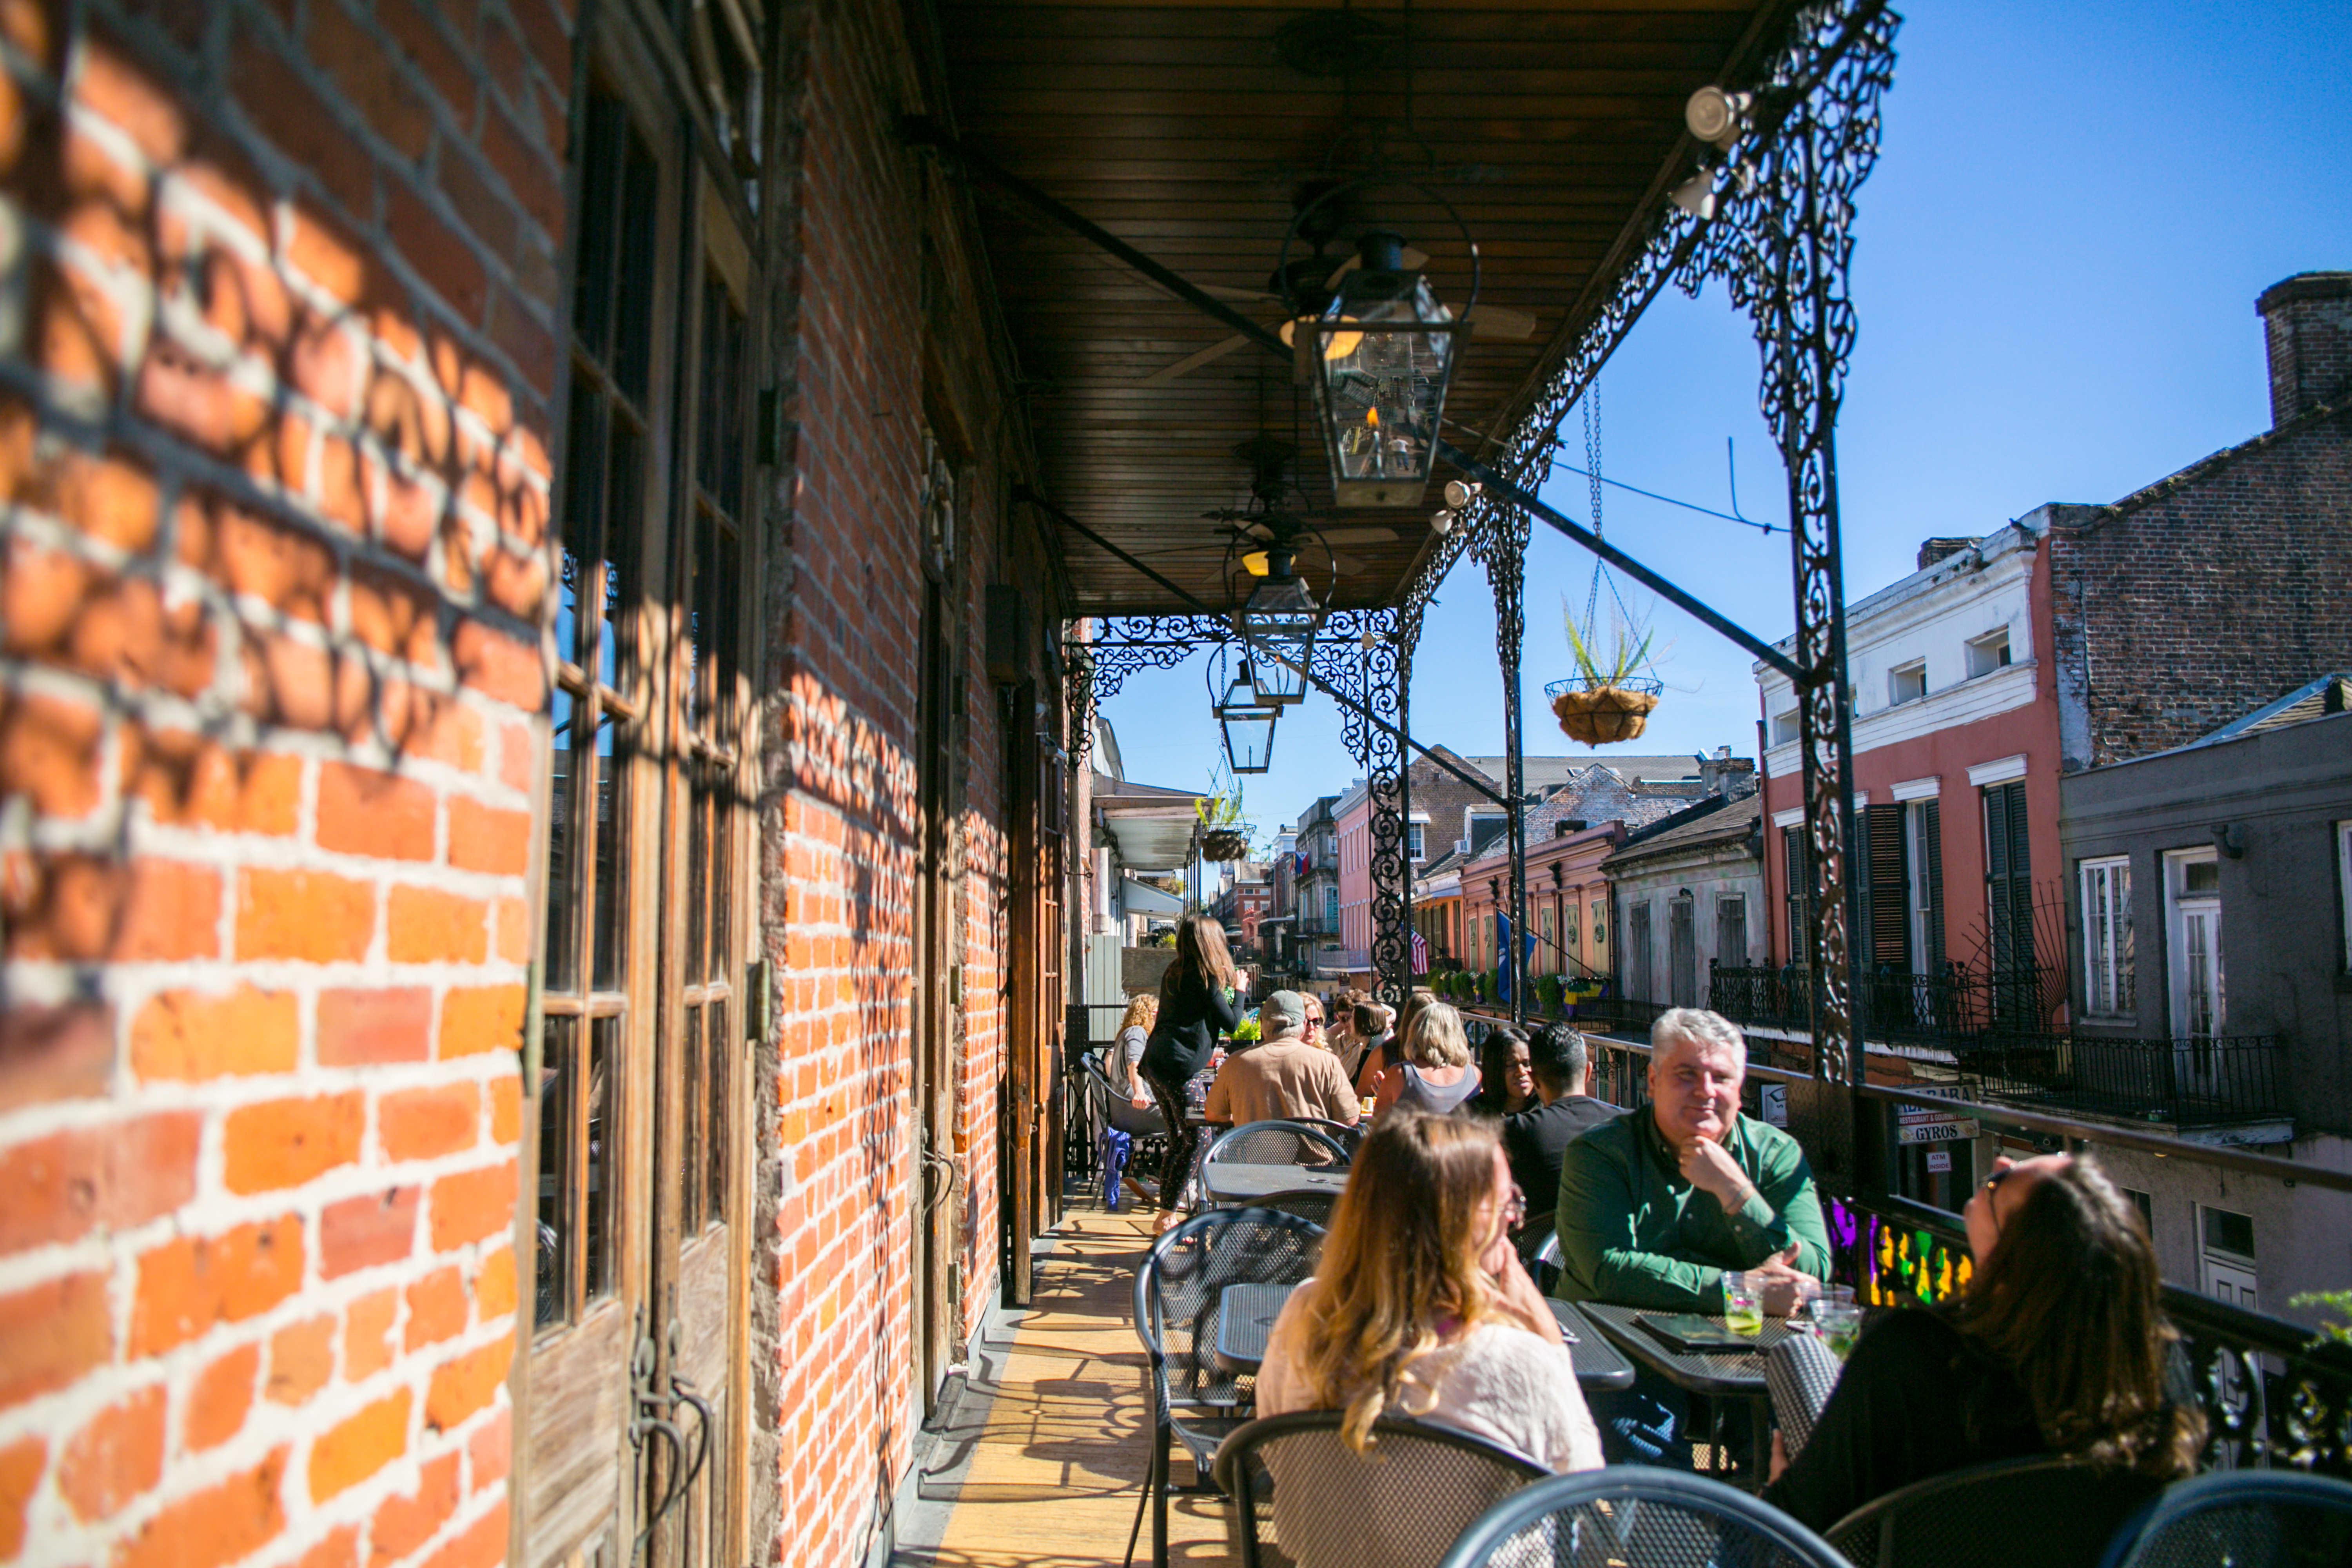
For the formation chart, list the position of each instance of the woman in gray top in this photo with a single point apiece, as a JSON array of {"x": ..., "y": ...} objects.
[{"x": 1436, "y": 1074}]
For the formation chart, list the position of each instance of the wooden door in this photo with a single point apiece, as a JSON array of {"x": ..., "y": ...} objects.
[
  {"x": 631, "y": 1443},
  {"x": 700, "y": 1275},
  {"x": 936, "y": 1198},
  {"x": 578, "y": 1471}
]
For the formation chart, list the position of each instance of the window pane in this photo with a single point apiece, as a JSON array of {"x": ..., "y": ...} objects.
[
  {"x": 612, "y": 859},
  {"x": 690, "y": 1142},
  {"x": 583, "y": 497},
  {"x": 697, "y": 887},
  {"x": 603, "y": 139},
  {"x": 624, "y": 475},
  {"x": 551, "y": 1273},
  {"x": 604, "y": 1133},
  {"x": 717, "y": 1044},
  {"x": 634, "y": 309},
  {"x": 563, "y": 951}
]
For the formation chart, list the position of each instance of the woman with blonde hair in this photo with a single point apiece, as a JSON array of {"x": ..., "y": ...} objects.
[
  {"x": 1134, "y": 1034},
  {"x": 1435, "y": 1073},
  {"x": 1419, "y": 1307}
]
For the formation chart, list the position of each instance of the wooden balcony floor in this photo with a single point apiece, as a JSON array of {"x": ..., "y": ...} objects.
[{"x": 1046, "y": 1450}]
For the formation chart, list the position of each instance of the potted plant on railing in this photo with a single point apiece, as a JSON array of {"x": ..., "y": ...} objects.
[
  {"x": 1548, "y": 992},
  {"x": 1605, "y": 702},
  {"x": 1225, "y": 836}
]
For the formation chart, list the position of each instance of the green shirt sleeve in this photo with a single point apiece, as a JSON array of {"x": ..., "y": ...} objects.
[{"x": 1601, "y": 1257}]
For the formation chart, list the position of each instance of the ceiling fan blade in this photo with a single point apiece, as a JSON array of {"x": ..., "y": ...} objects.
[
  {"x": 1225, "y": 291},
  {"x": 1414, "y": 260},
  {"x": 1501, "y": 321},
  {"x": 1368, "y": 535},
  {"x": 1346, "y": 565},
  {"x": 1192, "y": 363}
]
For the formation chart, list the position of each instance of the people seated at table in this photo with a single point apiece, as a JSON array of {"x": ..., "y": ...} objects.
[
  {"x": 1653, "y": 1205},
  {"x": 1316, "y": 1032},
  {"x": 1128, "y": 1047},
  {"x": 1338, "y": 1034},
  {"x": 1374, "y": 1038},
  {"x": 1433, "y": 1072},
  {"x": 1535, "y": 1139},
  {"x": 1284, "y": 1076},
  {"x": 1507, "y": 1080},
  {"x": 1376, "y": 1062},
  {"x": 1197, "y": 1003},
  {"x": 1419, "y": 1307},
  {"x": 2056, "y": 1346}
]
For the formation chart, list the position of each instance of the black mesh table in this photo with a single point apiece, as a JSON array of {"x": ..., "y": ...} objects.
[
  {"x": 1247, "y": 1312},
  {"x": 1233, "y": 1182},
  {"x": 1720, "y": 1374}
]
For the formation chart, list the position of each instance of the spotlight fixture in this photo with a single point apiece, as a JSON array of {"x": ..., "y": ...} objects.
[
  {"x": 1441, "y": 521},
  {"x": 1460, "y": 493},
  {"x": 1695, "y": 195},
  {"x": 1715, "y": 116}
]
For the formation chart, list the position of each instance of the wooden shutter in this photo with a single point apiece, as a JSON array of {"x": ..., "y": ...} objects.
[
  {"x": 1886, "y": 892},
  {"x": 2008, "y": 879},
  {"x": 1799, "y": 898},
  {"x": 1932, "y": 835}
]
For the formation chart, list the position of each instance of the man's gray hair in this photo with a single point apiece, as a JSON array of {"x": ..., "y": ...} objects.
[{"x": 1695, "y": 1025}]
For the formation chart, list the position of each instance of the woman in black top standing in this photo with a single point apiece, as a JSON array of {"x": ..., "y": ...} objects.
[
  {"x": 1197, "y": 1004},
  {"x": 2056, "y": 1346}
]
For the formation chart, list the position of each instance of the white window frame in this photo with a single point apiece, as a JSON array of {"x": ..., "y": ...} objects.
[
  {"x": 2104, "y": 885},
  {"x": 1989, "y": 654},
  {"x": 1896, "y": 674},
  {"x": 2181, "y": 907},
  {"x": 2344, "y": 891},
  {"x": 1417, "y": 839},
  {"x": 1785, "y": 730}
]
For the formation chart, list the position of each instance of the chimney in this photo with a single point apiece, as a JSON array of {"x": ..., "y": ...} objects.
[
  {"x": 1933, "y": 550},
  {"x": 2307, "y": 325}
]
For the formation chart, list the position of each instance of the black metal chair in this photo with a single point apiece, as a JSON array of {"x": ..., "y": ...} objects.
[
  {"x": 1110, "y": 1111},
  {"x": 1638, "y": 1516},
  {"x": 1277, "y": 1143},
  {"x": 1180, "y": 1287},
  {"x": 2246, "y": 1519},
  {"x": 2020, "y": 1512},
  {"x": 1312, "y": 1204},
  {"x": 1302, "y": 1496}
]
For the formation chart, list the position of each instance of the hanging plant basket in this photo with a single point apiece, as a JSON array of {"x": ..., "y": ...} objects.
[
  {"x": 1603, "y": 713},
  {"x": 1223, "y": 843}
]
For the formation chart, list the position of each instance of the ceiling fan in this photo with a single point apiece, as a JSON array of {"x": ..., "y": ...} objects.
[
  {"x": 1491, "y": 321},
  {"x": 1267, "y": 526}
]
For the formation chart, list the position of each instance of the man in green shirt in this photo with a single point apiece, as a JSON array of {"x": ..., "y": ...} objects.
[{"x": 1653, "y": 1206}]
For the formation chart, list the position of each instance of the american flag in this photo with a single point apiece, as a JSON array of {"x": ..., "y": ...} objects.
[{"x": 1420, "y": 953}]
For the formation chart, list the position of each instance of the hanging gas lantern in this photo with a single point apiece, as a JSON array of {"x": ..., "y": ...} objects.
[
  {"x": 1379, "y": 354},
  {"x": 1247, "y": 722},
  {"x": 1278, "y": 625}
]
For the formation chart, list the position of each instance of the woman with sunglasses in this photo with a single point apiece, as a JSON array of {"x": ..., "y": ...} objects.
[
  {"x": 1419, "y": 1307},
  {"x": 2055, "y": 1347}
]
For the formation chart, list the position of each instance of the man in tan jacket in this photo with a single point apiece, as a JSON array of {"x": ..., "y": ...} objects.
[{"x": 1281, "y": 1077}]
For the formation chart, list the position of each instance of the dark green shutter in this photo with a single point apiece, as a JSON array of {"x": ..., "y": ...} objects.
[
  {"x": 2009, "y": 878},
  {"x": 1932, "y": 960},
  {"x": 1886, "y": 892}
]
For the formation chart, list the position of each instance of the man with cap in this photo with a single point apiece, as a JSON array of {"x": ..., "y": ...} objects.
[{"x": 1284, "y": 1076}]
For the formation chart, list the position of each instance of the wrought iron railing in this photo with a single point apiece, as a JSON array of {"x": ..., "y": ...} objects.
[
  {"x": 2213, "y": 1082},
  {"x": 1952, "y": 1004}
]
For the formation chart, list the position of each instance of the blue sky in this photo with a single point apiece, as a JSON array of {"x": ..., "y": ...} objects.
[{"x": 2057, "y": 259}]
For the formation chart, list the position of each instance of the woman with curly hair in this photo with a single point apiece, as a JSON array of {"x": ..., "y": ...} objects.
[
  {"x": 2056, "y": 1347},
  {"x": 1419, "y": 1307}
]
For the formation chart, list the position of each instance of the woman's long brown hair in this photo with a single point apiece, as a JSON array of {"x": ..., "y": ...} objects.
[
  {"x": 2068, "y": 1302},
  {"x": 1403, "y": 1253},
  {"x": 1201, "y": 955}
]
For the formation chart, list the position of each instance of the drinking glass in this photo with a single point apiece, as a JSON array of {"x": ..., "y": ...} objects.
[
  {"x": 1743, "y": 1308},
  {"x": 1841, "y": 1324}
]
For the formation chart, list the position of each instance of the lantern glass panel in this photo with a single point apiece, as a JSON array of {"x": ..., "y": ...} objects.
[
  {"x": 1249, "y": 737},
  {"x": 1382, "y": 369},
  {"x": 1281, "y": 618}
]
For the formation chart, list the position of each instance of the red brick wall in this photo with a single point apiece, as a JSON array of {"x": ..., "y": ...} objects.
[
  {"x": 884, "y": 332},
  {"x": 273, "y": 437},
  {"x": 2203, "y": 598}
]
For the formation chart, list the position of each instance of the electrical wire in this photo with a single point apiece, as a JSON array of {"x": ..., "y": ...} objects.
[{"x": 1560, "y": 468}]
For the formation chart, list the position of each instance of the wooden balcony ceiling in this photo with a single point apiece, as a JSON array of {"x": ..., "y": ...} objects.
[{"x": 1554, "y": 127}]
